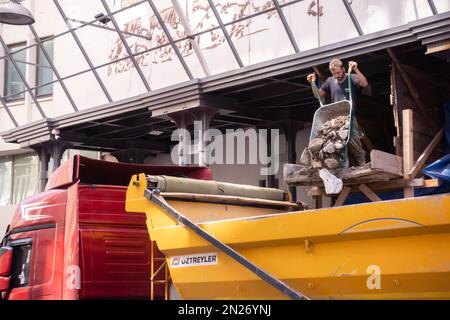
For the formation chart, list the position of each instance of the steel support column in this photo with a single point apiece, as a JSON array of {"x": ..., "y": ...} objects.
[
  {"x": 291, "y": 129},
  {"x": 203, "y": 116},
  {"x": 44, "y": 158},
  {"x": 270, "y": 179},
  {"x": 57, "y": 149},
  {"x": 184, "y": 136},
  {"x": 53, "y": 150}
]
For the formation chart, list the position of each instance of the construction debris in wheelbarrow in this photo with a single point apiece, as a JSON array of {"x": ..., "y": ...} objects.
[{"x": 328, "y": 148}]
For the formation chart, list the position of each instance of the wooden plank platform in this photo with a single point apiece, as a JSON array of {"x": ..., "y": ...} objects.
[{"x": 382, "y": 167}]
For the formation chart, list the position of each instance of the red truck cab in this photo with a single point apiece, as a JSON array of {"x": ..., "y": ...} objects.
[{"x": 75, "y": 240}]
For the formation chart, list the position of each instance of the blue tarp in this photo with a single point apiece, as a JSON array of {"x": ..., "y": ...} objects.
[
  {"x": 444, "y": 187},
  {"x": 439, "y": 169}
]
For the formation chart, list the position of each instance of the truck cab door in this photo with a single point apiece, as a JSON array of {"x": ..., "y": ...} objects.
[
  {"x": 19, "y": 273},
  {"x": 5, "y": 269}
]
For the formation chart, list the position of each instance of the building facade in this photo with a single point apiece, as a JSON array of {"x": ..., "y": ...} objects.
[{"x": 83, "y": 58}]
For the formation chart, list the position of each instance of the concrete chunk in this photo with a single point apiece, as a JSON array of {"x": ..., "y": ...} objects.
[
  {"x": 331, "y": 163},
  {"x": 343, "y": 134},
  {"x": 315, "y": 145},
  {"x": 333, "y": 185},
  {"x": 329, "y": 148}
]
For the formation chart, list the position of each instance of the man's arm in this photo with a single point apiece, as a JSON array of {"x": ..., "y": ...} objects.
[
  {"x": 362, "y": 79},
  {"x": 312, "y": 78}
]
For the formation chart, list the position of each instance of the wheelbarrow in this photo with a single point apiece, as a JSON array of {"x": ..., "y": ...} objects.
[{"x": 331, "y": 111}]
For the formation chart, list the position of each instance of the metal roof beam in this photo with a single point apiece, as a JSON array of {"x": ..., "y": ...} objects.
[
  {"x": 79, "y": 27},
  {"x": 277, "y": 95},
  {"x": 5, "y": 105},
  {"x": 112, "y": 143},
  {"x": 52, "y": 66},
  {"x": 286, "y": 26},
  {"x": 432, "y": 7},
  {"x": 353, "y": 17},
  {"x": 169, "y": 37},
  {"x": 91, "y": 24},
  {"x": 22, "y": 77},
  {"x": 127, "y": 47},
  {"x": 30, "y": 63},
  {"x": 225, "y": 33},
  {"x": 92, "y": 124},
  {"x": 191, "y": 37},
  {"x": 259, "y": 85},
  {"x": 124, "y": 131},
  {"x": 83, "y": 51}
]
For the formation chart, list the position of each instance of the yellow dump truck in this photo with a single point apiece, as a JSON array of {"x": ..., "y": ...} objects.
[{"x": 225, "y": 241}]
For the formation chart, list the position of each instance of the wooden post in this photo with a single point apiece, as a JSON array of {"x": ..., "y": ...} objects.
[
  {"x": 408, "y": 149},
  {"x": 342, "y": 196},
  {"x": 369, "y": 193},
  {"x": 410, "y": 86},
  {"x": 425, "y": 154},
  {"x": 318, "y": 202}
]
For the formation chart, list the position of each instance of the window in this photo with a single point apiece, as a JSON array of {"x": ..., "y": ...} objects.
[
  {"x": 44, "y": 71},
  {"x": 13, "y": 83},
  {"x": 25, "y": 177},
  {"x": 69, "y": 153},
  {"x": 5, "y": 181},
  {"x": 20, "y": 266},
  {"x": 18, "y": 178}
]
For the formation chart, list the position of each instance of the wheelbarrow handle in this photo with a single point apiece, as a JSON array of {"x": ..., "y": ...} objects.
[
  {"x": 350, "y": 69},
  {"x": 316, "y": 92}
]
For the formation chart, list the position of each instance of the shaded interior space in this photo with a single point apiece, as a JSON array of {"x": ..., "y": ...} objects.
[
  {"x": 289, "y": 97},
  {"x": 287, "y": 101}
]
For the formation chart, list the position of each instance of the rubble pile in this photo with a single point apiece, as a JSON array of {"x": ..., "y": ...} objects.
[{"x": 326, "y": 149}]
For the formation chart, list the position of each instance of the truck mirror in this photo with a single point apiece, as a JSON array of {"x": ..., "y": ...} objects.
[{"x": 5, "y": 267}]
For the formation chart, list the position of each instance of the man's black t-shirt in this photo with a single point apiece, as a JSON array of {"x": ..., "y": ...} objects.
[{"x": 339, "y": 90}]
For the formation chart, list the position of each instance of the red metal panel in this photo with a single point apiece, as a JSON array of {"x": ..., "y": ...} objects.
[
  {"x": 71, "y": 266},
  {"x": 64, "y": 175},
  {"x": 24, "y": 293},
  {"x": 5, "y": 261},
  {"x": 115, "y": 246},
  {"x": 45, "y": 210},
  {"x": 48, "y": 276},
  {"x": 119, "y": 174},
  {"x": 89, "y": 236},
  {"x": 90, "y": 171}
]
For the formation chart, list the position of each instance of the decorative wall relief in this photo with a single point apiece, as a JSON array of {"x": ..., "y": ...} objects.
[{"x": 201, "y": 18}]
